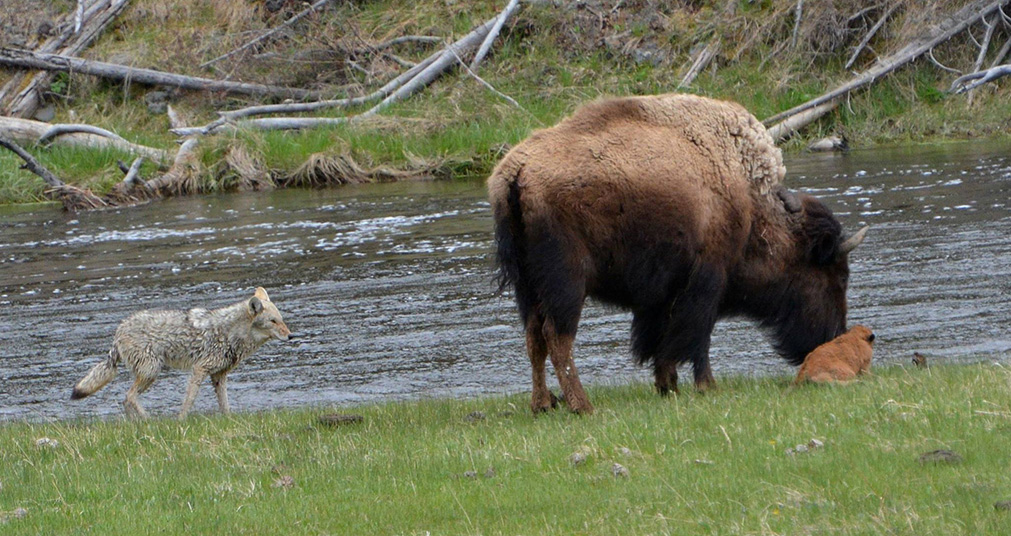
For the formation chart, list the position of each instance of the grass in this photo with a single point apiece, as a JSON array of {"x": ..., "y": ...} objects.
[{"x": 713, "y": 463}]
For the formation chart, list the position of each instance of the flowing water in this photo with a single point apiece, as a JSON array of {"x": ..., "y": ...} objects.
[{"x": 390, "y": 287}]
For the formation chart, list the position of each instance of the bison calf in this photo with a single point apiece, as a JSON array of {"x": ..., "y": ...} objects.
[
  {"x": 672, "y": 207},
  {"x": 840, "y": 359}
]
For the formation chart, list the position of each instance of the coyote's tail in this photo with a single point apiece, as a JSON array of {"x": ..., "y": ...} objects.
[{"x": 98, "y": 377}]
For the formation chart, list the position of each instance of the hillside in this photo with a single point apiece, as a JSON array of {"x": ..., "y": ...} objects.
[{"x": 549, "y": 57}]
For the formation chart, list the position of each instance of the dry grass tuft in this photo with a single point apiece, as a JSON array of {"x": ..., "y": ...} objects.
[{"x": 323, "y": 169}]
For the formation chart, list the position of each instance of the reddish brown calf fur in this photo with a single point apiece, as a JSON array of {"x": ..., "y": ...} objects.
[{"x": 841, "y": 359}]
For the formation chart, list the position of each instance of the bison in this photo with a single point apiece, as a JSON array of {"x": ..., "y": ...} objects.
[
  {"x": 841, "y": 359},
  {"x": 670, "y": 206}
]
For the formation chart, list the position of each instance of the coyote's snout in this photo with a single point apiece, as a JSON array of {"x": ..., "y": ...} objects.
[{"x": 208, "y": 342}]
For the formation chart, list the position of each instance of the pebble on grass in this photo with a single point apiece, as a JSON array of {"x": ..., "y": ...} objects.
[
  {"x": 475, "y": 416},
  {"x": 44, "y": 442},
  {"x": 285, "y": 482},
  {"x": 19, "y": 512},
  {"x": 940, "y": 456},
  {"x": 340, "y": 419},
  {"x": 1002, "y": 505},
  {"x": 619, "y": 470},
  {"x": 577, "y": 458}
]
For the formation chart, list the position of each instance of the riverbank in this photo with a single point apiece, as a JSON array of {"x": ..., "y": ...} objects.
[
  {"x": 549, "y": 59},
  {"x": 725, "y": 461}
]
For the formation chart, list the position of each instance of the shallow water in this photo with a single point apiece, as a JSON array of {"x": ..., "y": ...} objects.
[{"x": 390, "y": 286}]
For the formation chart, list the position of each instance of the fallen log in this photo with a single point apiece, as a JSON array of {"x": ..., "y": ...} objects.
[
  {"x": 398, "y": 89},
  {"x": 94, "y": 20},
  {"x": 72, "y": 197},
  {"x": 973, "y": 80},
  {"x": 17, "y": 57},
  {"x": 942, "y": 31},
  {"x": 30, "y": 131}
]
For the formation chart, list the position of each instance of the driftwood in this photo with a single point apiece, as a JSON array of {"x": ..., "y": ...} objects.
[
  {"x": 482, "y": 51},
  {"x": 228, "y": 118},
  {"x": 297, "y": 17},
  {"x": 61, "y": 129},
  {"x": 397, "y": 89},
  {"x": 94, "y": 20},
  {"x": 30, "y": 131},
  {"x": 870, "y": 35},
  {"x": 705, "y": 56},
  {"x": 974, "y": 80},
  {"x": 17, "y": 57},
  {"x": 72, "y": 197},
  {"x": 939, "y": 33}
]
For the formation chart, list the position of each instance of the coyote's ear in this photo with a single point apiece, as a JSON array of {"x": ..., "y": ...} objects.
[
  {"x": 261, "y": 293},
  {"x": 255, "y": 305}
]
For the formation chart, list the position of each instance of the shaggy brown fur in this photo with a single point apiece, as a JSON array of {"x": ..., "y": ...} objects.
[
  {"x": 670, "y": 206},
  {"x": 841, "y": 359}
]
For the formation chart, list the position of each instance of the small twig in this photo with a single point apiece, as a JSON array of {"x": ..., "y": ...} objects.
[
  {"x": 482, "y": 51},
  {"x": 31, "y": 164},
  {"x": 404, "y": 39},
  {"x": 492, "y": 88},
  {"x": 930, "y": 54},
  {"x": 68, "y": 128},
  {"x": 263, "y": 37},
  {"x": 132, "y": 177},
  {"x": 861, "y": 13},
  {"x": 870, "y": 34},
  {"x": 798, "y": 13}
]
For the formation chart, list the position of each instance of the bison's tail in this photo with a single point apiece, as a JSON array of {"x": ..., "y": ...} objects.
[{"x": 510, "y": 240}]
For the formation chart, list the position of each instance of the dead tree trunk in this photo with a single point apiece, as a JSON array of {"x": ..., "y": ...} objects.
[
  {"x": 53, "y": 62},
  {"x": 93, "y": 22},
  {"x": 941, "y": 32}
]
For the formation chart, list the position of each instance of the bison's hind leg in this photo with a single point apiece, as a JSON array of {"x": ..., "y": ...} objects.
[
  {"x": 541, "y": 399},
  {"x": 560, "y": 348}
]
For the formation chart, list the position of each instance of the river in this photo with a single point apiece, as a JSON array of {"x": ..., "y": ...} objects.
[{"x": 390, "y": 286}]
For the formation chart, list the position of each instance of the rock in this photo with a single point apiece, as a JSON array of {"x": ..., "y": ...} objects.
[
  {"x": 815, "y": 444},
  {"x": 45, "y": 113},
  {"x": 940, "y": 456},
  {"x": 285, "y": 482},
  {"x": 475, "y": 416},
  {"x": 45, "y": 442},
  {"x": 577, "y": 458},
  {"x": 340, "y": 419},
  {"x": 800, "y": 448},
  {"x": 157, "y": 102},
  {"x": 470, "y": 474},
  {"x": 831, "y": 143},
  {"x": 19, "y": 512},
  {"x": 619, "y": 470},
  {"x": 626, "y": 452},
  {"x": 490, "y": 473},
  {"x": 1002, "y": 505}
]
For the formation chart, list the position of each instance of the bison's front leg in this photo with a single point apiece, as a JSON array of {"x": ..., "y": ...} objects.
[
  {"x": 541, "y": 399},
  {"x": 560, "y": 348}
]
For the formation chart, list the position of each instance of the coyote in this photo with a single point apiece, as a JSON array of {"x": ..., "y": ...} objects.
[{"x": 209, "y": 342}]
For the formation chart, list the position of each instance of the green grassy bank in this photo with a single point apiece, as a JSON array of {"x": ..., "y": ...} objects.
[
  {"x": 696, "y": 464},
  {"x": 549, "y": 58}
]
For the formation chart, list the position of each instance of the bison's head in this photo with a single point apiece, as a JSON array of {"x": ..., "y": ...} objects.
[{"x": 811, "y": 304}]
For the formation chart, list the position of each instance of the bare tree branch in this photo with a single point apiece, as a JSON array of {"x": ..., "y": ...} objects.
[
  {"x": 60, "y": 129},
  {"x": 54, "y": 62},
  {"x": 973, "y": 80},
  {"x": 870, "y": 35},
  {"x": 939, "y": 33},
  {"x": 30, "y": 131},
  {"x": 258, "y": 40},
  {"x": 31, "y": 164},
  {"x": 493, "y": 33}
]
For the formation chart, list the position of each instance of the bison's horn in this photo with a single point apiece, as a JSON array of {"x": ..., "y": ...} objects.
[{"x": 852, "y": 242}]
